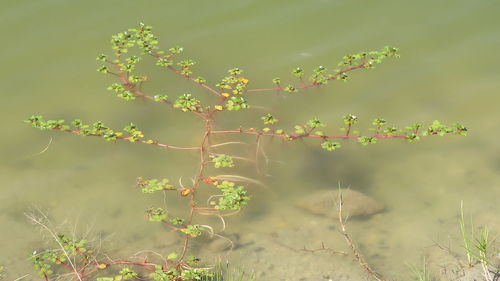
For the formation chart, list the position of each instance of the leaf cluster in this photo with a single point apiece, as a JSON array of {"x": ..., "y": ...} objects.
[
  {"x": 98, "y": 129},
  {"x": 233, "y": 197},
  {"x": 72, "y": 247},
  {"x": 222, "y": 161},
  {"x": 124, "y": 274},
  {"x": 152, "y": 185}
]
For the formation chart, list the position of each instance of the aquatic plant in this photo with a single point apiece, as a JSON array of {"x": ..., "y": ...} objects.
[
  {"x": 228, "y": 194},
  {"x": 420, "y": 274},
  {"x": 227, "y": 273},
  {"x": 478, "y": 247}
]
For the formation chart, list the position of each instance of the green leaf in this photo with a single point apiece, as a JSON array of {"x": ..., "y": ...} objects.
[
  {"x": 298, "y": 72},
  {"x": 176, "y": 50},
  {"x": 330, "y": 146},
  {"x": 412, "y": 137},
  {"x": 186, "y": 63},
  {"x": 350, "y": 119},
  {"x": 127, "y": 273},
  {"x": 164, "y": 62},
  {"x": 172, "y": 256},
  {"x": 200, "y": 80},
  {"x": 236, "y": 103},
  {"x": 379, "y": 122},
  {"x": 102, "y": 57},
  {"x": 364, "y": 140},
  {"x": 103, "y": 69},
  {"x": 192, "y": 230},
  {"x": 187, "y": 102},
  {"x": 315, "y": 123},
  {"x": 235, "y": 71},
  {"x": 156, "y": 214},
  {"x": 133, "y": 59},
  {"x": 134, "y": 134},
  {"x": 152, "y": 185},
  {"x": 233, "y": 198},
  {"x": 390, "y": 131},
  {"x": 437, "y": 128},
  {"x": 299, "y": 130},
  {"x": 160, "y": 98},
  {"x": 127, "y": 95},
  {"x": 269, "y": 119},
  {"x": 460, "y": 129},
  {"x": 290, "y": 89},
  {"x": 222, "y": 161},
  {"x": 177, "y": 221}
]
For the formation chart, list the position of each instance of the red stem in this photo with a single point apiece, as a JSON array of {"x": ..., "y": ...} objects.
[
  {"x": 141, "y": 141},
  {"x": 308, "y": 85},
  {"x": 197, "y": 181},
  {"x": 293, "y": 137},
  {"x": 210, "y": 89},
  {"x": 147, "y": 265},
  {"x": 67, "y": 266}
]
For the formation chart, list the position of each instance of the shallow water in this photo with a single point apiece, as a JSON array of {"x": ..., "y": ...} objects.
[{"x": 447, "y": 71}]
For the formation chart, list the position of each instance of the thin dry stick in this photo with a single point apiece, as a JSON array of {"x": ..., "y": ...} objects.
[
  {"x": 357, "y": 255},
  {"x": 45, "y": 149},
  {"x": 217, "y": 215},
  {"x": 257, "y": 149},
  {"x": 240, "y": 179},
  {"x": 22, "y": 277},
  {"x": 226, "y": 143},
  {"x": 322, "y": 249},
  {"x": 212, "y": 234}
]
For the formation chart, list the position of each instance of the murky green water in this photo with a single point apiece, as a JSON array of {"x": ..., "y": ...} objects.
[{"x": 448, "y": 71}]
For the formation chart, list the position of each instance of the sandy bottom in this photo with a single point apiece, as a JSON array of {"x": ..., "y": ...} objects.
[{"x": 421, "y": 219}]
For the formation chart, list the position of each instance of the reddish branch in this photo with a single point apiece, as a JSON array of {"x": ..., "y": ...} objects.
[
  {"x": 210, "y": 89},
  {"x": 312, "y": 84},
  {"x": 199, "y": 178},
  {"x": 141, "y": 141},
  {"x": 66, "y": 265},
  {"x": 294, "y": 137},
  {"x": 146, "y": 265}
]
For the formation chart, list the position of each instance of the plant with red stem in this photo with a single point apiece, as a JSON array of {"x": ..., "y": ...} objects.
[{"x": 228, "y": 196}]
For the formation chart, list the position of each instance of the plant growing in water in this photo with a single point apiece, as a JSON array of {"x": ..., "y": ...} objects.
[
  {"x": 477, "y": 247},
  {"x": 420, "y": 274},
  {"x": 228, "y": 195}
]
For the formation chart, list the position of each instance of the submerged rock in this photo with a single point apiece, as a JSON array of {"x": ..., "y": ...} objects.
[{"x": 325, "y": 203}]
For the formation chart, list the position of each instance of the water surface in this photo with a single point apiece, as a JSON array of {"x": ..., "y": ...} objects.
[{"x": 447, "y": 71}]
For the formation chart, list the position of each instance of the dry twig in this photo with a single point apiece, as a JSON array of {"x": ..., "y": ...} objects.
[{"x": 357, "y": 255}]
